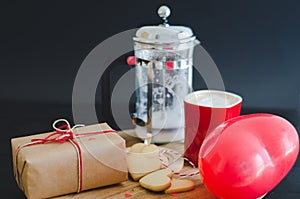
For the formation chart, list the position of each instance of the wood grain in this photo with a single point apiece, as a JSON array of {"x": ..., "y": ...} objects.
[{"x": 135, "y": 190}]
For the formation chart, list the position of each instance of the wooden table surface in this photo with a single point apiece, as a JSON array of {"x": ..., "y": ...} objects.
[{"x": 131, "y": 189}]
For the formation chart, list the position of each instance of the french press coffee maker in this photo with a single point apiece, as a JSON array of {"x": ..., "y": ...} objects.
[{"x": 163, "y": 77}]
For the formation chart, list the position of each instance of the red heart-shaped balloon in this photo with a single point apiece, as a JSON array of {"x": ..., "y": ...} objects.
[{"x": 247, "y": 156}]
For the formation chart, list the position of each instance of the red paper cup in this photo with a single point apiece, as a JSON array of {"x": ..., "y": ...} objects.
[{"x": 204, "y": 110}]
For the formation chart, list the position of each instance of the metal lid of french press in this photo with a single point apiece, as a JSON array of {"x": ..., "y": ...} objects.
[{"x": 164, "y": 33}]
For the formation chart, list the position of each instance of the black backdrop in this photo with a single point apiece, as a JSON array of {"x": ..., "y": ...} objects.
[{"x": 255, "y": 45}]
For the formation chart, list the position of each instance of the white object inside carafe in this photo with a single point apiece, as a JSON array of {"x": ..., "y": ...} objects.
[{"x": 169, "y": 85}]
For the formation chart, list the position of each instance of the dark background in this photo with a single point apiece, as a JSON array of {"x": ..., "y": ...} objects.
[{"x": 255, "y": 45}]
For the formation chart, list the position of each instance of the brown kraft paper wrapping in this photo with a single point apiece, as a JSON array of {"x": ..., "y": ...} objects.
[{"x": 51, "y": 169}]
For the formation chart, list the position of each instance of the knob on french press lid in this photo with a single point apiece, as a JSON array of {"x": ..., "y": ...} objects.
[
  {"x": 164, "y": 33},
  {"x": 164, "y": 12}
]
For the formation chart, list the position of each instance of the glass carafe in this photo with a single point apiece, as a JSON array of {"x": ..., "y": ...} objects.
[{"x": 163, "y": 77}]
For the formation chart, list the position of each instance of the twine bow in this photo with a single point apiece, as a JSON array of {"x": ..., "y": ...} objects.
[{"x": 61, "y": 135}]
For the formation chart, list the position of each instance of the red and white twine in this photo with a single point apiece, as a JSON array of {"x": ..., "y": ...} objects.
[{"x": 166, "y": 164}]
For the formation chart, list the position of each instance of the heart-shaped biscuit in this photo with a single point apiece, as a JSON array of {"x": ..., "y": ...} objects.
[
  {"x": 148, "y": 148},
  {"x": 137, "y": 148},
  {"x": 143, "y": 159},
  {"x": 157, "y": 181},
  {"x": 180, "y": 185}
]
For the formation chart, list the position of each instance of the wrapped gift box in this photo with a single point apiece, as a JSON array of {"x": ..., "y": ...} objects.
[{"x": 53, "y": 168}]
